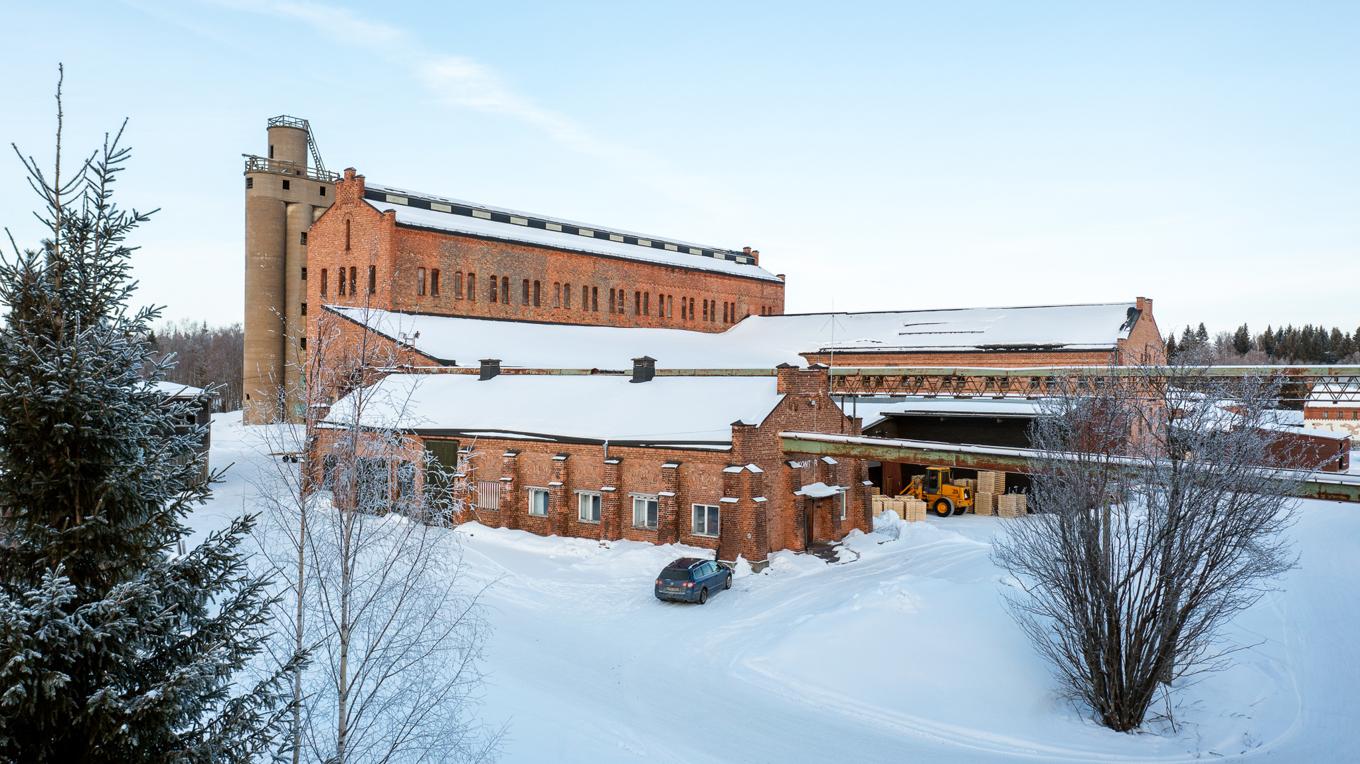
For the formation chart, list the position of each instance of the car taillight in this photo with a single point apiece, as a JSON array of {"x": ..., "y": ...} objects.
[
  {"x": 658, "y": 582},
  {"x": 689, "y": 584}
]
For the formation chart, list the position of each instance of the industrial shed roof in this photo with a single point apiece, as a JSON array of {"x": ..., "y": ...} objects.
[
  {"x": 756, "y": 341},
  {"x": 679, "y": 411}
]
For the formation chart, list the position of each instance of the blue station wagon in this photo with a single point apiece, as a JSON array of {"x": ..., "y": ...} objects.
[{"x": 690, "y": 579}]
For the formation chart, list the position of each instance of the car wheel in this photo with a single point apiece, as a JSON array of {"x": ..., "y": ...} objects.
[
  {"x": 942, "y": 507},
  {"x": 703, "y": 595},
  {"x": 728, "y": 583}
]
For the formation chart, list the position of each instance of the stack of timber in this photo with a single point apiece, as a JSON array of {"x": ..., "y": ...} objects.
[
  {"x": 912, "y": 510},
  {"x": 1012, "y": 505},
  {"x": 984, "y": 503},
  {"x": 991, "y": 482}
]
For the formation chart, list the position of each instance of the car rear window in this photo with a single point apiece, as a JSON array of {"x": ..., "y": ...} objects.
[{"x": 678, "y": 574}]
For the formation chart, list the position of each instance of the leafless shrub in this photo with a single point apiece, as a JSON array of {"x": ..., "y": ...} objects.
[{"x": 1158, "y": 520}]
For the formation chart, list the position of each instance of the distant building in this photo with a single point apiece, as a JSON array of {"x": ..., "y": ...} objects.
[
  {"x": 200, "y": 405},
  {"x": 1334, "y": 405}
]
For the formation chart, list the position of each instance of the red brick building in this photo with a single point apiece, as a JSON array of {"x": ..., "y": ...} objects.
[
  {"x": 398, "y": 250},
  {"x": 694, "y": 460}
]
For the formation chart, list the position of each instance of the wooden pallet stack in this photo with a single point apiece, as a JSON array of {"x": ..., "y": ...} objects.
[
  {"x": 1012, "y": 505},
  {"x": 880, "y": 503},
  {"x": 984, "y": 503},
  {"x": 912, "y": 510},
  {"x": 991, "y": 482}
]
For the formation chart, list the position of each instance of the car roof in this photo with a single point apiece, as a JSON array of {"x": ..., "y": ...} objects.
[{"x": 686, "y": 562}]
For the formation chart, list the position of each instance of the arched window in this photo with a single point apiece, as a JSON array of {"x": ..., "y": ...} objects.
[
  {"x": 472, "y": 287},
  {"x": 372, "y": 279},
  {"x": 495, "y": 287},
  {"x": 353, "y": 280},
  {"x": 342, "y": 282},
  {"x": 538, "y": 294},
  {"x": 323, "y": 282},
  {"x": 346, "y": 234},
  {"x": 420, "y": 281},
  {"x": 434, "y": 282},
  {"x": 566, "y": 295},
  {"x": 557, "y": 294},
  {"x": 458, "y": 285}
]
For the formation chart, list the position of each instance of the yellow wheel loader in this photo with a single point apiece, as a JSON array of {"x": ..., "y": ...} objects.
[{"x": 936, "y": 488}]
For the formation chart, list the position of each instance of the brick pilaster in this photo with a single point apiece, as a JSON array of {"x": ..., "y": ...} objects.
[
  {"x": 611, "y": 501},
  {"x": 744, "y": 528},
  {"x": 668, "y": 505},
  {"x": 559, "y": 507},
  {"x": 511, "y": 501}
]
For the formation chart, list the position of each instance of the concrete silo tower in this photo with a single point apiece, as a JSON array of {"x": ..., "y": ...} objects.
[{"x": 285, "y": 191}]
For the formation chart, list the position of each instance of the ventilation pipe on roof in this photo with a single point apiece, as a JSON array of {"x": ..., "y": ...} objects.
[
  {"x": 490, "y": 368},
  {"x": 644, "y": 369}
]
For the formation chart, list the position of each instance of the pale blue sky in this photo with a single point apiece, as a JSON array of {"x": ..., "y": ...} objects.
[{"x": 883, "y": 155}]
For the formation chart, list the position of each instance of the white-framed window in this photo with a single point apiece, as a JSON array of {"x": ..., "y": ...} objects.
[
  {"x": 704, "y": 519},
  {"x": 844, "y": 491},
  {"x": 588, "y": 506},
  {"x": 645, "y": 511},
  {"x": 538, "y": 502}
]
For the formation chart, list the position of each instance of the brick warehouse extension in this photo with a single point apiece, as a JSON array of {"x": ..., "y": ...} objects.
[{"x": 694, "y": 460}]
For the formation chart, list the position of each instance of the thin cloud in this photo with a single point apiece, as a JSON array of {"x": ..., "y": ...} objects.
[{"x": 464, "y": 83}]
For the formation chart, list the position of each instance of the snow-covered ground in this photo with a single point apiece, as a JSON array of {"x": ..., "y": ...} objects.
[{"x": 904, "y": 653}]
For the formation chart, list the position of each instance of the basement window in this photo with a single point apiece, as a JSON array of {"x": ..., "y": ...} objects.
[
  {"x": 644, "y": 512},
  {"x": 704, "y": 520},
  {"x": 538, "y": 502},
  {"x": 588, "y": 506}
]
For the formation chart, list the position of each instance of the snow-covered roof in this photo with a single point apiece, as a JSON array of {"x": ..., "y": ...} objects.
[
  {"x": 667, "y": 410},
  {"x": 874, "y": 409},
  {"x": 177, "y": 390},
  {"x": 819, "y": 490},
  {"x": 439, "y": 213},
  {"x": 755, "y": 341},
  {"x": 1335, "y": 393}
]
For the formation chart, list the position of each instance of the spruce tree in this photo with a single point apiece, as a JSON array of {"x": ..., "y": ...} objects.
[
  {"x": 1171, "y": 346},
  {"x": 1242, "y": 340},
  {"x": 113, "y": 647}
]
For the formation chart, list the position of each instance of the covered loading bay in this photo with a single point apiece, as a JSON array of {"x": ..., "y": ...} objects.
[{"x": 981, "y": 422}]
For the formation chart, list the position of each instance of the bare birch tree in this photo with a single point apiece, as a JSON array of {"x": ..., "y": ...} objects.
[
  {"x": 358, "y": 526},
  {"x": 1160, "y": 509}
]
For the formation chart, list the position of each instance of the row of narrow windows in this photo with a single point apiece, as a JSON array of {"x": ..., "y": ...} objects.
[
  {"x": 347, "y": 280},
  {"x": 532, "y": 293}
]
